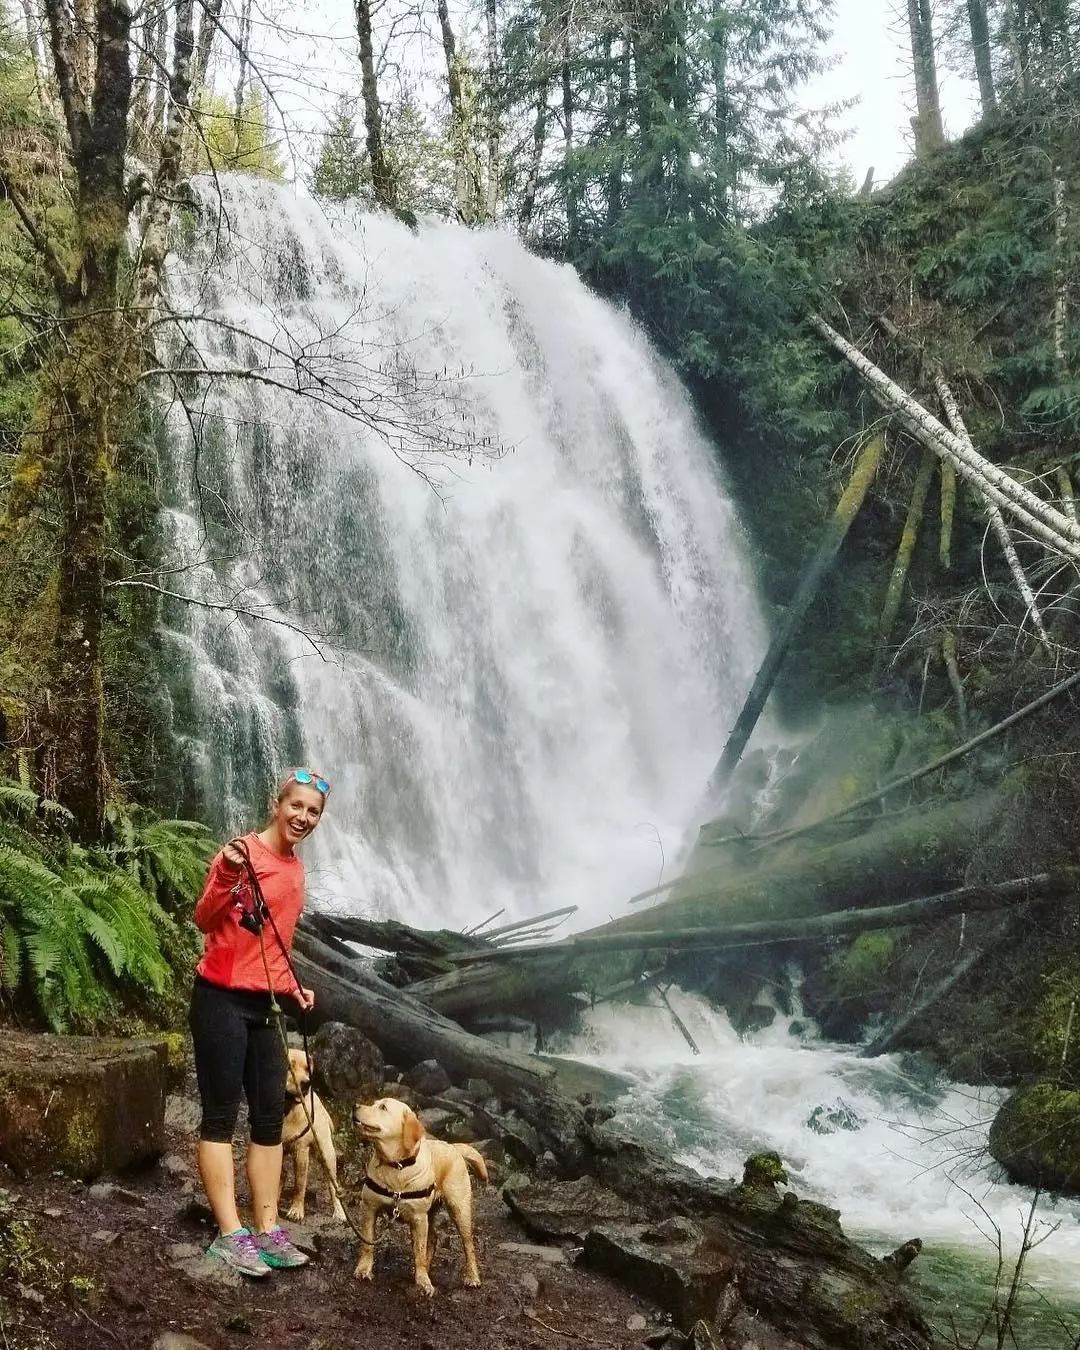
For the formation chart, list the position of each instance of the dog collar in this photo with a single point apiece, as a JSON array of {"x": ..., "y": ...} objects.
[
  {"x": 402, "y": 1163},
  {"x": 398, "y": 1195}
]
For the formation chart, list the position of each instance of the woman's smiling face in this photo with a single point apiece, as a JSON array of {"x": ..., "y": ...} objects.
[{"x": 297, "y": 811}]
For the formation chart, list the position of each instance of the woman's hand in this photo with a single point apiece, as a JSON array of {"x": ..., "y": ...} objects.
[
  {"x": 233, "y": 856},
  {"x": 307, "y": 999}
]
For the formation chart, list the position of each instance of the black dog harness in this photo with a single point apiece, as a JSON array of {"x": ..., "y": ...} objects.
[{"x": 396, "y": 1196}]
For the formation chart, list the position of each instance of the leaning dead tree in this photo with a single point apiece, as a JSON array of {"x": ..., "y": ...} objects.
[{"x": 1051, "y": 526}]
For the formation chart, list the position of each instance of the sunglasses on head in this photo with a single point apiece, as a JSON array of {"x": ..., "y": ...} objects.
[{"x": 309, "y": 779}]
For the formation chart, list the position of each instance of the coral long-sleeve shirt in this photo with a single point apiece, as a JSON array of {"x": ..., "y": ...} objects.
[{"x": 231, "y": 955}]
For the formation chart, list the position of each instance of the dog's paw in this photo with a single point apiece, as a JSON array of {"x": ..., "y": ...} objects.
[
  {"x": 295, "y": 1213},
  {"x": 425, "y": 1286},
  {"x": 472, "y": 1281},
  {"x": 363, "y": 1272}
]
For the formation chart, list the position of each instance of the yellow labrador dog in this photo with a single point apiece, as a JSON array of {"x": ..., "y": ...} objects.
[
  {"x": 299, "y": 1138},
  {"x": 409, "y": 1174}
]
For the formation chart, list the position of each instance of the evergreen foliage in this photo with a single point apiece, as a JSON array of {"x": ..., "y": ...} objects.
[
  {"x": 340, "y": 174},
  {"x": 87, "y": 929}
]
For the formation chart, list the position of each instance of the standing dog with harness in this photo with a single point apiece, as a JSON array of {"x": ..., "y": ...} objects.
[{"x": 240, "y": 984}]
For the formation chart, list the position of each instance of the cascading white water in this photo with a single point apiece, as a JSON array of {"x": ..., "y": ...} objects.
[
  {"x": 543, "y": 656},
  {"x": 900, "y": 1155},
  {"x": 546, "y": 651}
]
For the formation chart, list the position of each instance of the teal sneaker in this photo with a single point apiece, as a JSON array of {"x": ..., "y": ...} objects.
[
  {"x": 277, "y": 1251},
  {"x": 239, "y": 1251}
]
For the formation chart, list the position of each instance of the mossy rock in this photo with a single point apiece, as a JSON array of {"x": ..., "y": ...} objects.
[
  {"x": 1036, "y": 1137},
  {"x": 764, "y": 1169},
  {"x": 81, "y": 1105}
]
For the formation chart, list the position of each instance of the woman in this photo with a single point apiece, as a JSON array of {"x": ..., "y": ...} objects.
[{"x": 237, "y": 1038}]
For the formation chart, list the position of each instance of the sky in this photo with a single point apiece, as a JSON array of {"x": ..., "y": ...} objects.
[{"x": 872, "y": 64}]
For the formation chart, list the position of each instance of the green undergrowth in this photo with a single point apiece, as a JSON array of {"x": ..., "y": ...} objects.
[{"x": 94, "y": 937}]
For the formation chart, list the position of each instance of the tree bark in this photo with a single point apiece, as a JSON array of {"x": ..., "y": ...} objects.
[
  {"x": 536, "y": 155},
  {"x": 997, "y": 520},
  {"x": 948, "y": 514},
  {"x": 153, "y": 241},
  {"x": 929, "y": 131},
  {"x": 491, "y": 193},
  {"x": 847, "y": 508},
  {"x": 88, "y": 388},
  {"x": 1061, "y": 248},
  {"x": 617, "y": 97},
  {"x": 980, "y": 47},
  {"x": 403, "y": 1028},
  {"x": 952, "y": 668},
  {"x": 718, "y": 58},
  {"x": 819, "y": 927},
  {"x": 382, "y": 180},
  {"x": 991, "y": 480},
  {"x": 464, "y": 188},
  {"x": 904, "y": 553},
  {"x": 570, "y": 189},
  {"x": 1065, "y": 487}
]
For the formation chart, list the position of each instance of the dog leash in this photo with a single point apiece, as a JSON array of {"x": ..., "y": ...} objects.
[{"x": 253, "y": 920}]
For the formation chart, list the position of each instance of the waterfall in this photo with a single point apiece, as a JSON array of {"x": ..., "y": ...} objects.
[{"x": 515, "y": 524}]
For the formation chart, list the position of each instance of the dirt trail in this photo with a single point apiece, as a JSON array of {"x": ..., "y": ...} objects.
[{"x": 83, "y": 1267}]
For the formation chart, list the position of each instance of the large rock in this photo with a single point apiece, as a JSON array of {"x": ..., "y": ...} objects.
[
  {"x": 679, "y": 1265},
  {"x": 428, "y": 1078},
  {"x": 346, "y": 1064},
  {"x": 1036, "y": 1137},
  {"x": 80, "y": 1105},
  {"x": 565, "y": 1211}
]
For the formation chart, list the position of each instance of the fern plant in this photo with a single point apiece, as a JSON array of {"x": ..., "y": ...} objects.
[{"x": 85, "y": 930}]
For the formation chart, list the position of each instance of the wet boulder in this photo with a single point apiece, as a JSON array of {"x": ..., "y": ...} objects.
[
  {"x": 677, "y": 1263},
  {"x": 345, "y": 1064},
  {"x": 428, "y": 1078},
  {"x": 1036, "y": 1137},
  {"x": 565, "y": 1211},
  {"x": 837, "y": 1115}
]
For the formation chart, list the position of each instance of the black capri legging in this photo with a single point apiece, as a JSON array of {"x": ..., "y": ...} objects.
[{"x": 237, "y": 1046}]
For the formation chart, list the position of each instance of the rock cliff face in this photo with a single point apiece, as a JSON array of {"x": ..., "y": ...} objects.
[{"x": 1036, "y": 1137}]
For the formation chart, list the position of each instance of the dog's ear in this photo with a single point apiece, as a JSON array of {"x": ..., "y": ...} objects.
[{"x": 411, "y": 1131}]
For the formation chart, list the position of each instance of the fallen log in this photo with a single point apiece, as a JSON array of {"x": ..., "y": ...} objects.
[
  {"x": 911, "y": 855},
  {"x": 466, "y": 994},
  {"x": 997, "y": 520},
  {"x": 402, "y": 1027},
  {"x": 847, "y": 508},
  {"x": 992, "y": 480},
  {"x": 413, "y": 953},
  {"x": 922, "y": 852},
  {"x": 927, "y": 909}
]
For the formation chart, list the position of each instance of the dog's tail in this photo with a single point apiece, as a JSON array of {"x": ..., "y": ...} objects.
[{"x": 474, "y": 1160}]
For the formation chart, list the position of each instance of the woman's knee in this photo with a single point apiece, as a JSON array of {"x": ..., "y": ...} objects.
[
  {"x": 266, "y": 1126},
  {"x": 218, "y": 1123}
]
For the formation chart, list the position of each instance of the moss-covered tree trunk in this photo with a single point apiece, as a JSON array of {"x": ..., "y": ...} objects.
[{"x": 88, "y": 398}]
